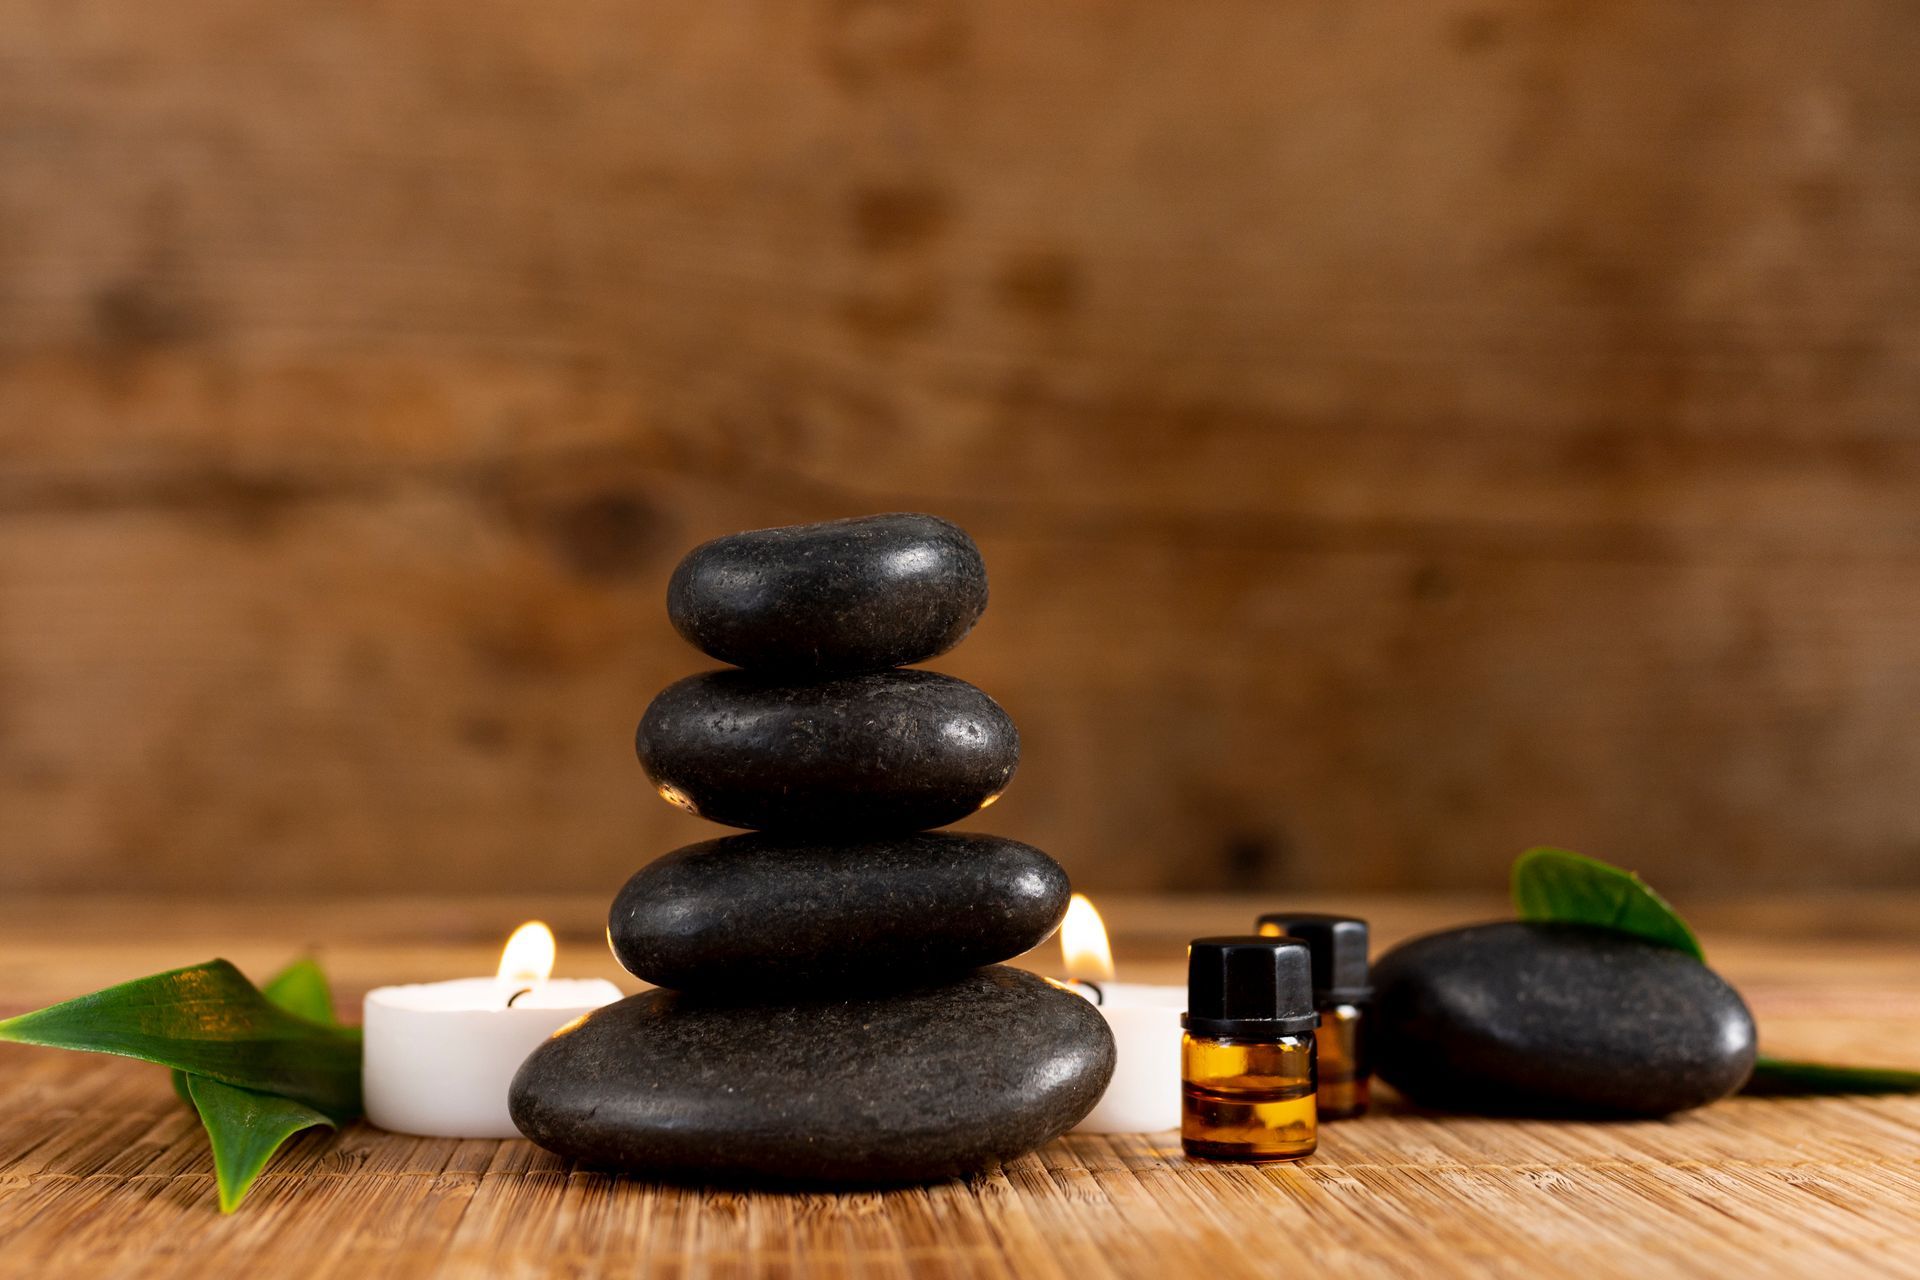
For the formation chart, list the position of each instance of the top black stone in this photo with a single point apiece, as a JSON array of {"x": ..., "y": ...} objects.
[{"x": 835, "y": 598}]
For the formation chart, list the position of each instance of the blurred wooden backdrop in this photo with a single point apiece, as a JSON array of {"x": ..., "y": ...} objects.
[{"x": 1399, "y": 433}]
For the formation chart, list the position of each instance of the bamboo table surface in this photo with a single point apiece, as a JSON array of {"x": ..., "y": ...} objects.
[{"x": 104, "y": 1173}]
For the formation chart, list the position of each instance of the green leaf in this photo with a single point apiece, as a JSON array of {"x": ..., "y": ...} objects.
[
  {"x": 301, "y": 989},
  {"x": 1557, "y": 886},
  {"x": 208, "y": 1020},
  {"x": 245, "y": 1128},
  {"x": 1786, "y": 1077}
]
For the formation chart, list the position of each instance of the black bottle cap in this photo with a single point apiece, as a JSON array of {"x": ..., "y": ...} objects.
[
  {"x": 1339, "y": 947},
  {"x": 1249, "y": 987}
]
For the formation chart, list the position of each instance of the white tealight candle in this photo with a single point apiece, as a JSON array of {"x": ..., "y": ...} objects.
[
  {"x": 438, "y": 1056},
  {"x": 1144, "y": 1095}
]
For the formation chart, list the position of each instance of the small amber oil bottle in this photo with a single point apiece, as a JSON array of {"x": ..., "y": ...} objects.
[
  {"x": 1341, "y": 992},
  {"x": 1246, "y": 1062}
]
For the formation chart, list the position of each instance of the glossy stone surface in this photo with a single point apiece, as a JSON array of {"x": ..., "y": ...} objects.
[
  {"x": 908, "y": 1087},
  {"x": 890, "y": 751},
  {"x": 759, "y": 913},
  {"x": 834, "y": 598},
  {"x": 1539, "y": 1019}
]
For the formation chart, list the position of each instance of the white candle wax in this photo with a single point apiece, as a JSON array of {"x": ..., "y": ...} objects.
[
  {"x": 439, "y": 1056},
  {"x": 1144, "y": 1095}
]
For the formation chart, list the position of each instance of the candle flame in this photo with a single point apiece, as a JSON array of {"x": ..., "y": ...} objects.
[
  {"x": 1083, "y": 942},
  {"x": 528, "y": 955}
]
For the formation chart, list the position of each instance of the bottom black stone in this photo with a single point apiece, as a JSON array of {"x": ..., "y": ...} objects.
[{"x": 909, "y": 1087}]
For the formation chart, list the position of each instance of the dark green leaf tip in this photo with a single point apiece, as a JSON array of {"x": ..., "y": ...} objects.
[
  {"x": 245, "y": 1128},
  {"x": 1785, "y": 1077}
]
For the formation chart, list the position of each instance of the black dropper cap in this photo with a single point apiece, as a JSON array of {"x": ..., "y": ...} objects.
[
  {"x": 1339, "y": 946},
  {"x": 1252, "y": 987}
]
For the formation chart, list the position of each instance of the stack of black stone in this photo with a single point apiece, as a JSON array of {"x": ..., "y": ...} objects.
[{"x": 831, "y": 1010}]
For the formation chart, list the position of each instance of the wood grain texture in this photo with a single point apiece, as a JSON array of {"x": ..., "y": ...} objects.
[
  {"x": 1397, "y": 436},
  {"x": 104, "y": 1174}
]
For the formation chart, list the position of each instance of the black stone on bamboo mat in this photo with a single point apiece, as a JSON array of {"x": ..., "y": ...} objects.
[
  {"x": 839, "y": 597},
  {"x": 1554, "y": 1019},
  {"x": 889, "y": 751},
  {"x": 763, "y": 912},
  {"x": 909, "y": 1087}
]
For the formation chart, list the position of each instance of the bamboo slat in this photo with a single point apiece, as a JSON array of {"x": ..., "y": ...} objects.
[{"x": 102, "y": 1173}]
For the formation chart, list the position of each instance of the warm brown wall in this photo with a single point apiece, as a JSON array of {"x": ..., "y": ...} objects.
[{"x": 1398, "y": 432}]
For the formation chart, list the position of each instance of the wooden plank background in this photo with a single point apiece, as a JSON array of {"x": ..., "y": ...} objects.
[{"x": 1398, "y": 433}]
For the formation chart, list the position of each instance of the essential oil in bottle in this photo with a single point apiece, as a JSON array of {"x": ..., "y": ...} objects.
[
  {"x": 1342, "y": 991},
  {"x": 1247, "y": 1061}
]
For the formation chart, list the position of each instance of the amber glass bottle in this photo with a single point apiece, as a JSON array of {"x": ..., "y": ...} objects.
[
  {"x": 1341, "y": 992},
  {"x": 1247, "y": 1061},
  {"x": 1341, "y": 1061}
]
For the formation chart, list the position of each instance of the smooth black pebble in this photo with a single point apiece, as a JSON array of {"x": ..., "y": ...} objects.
[
  {"x": 890, "y": 751},
  {"x": 839, "y": 597},
  {"x": 909, "y": 1087},
  {"x": 1551, "y": 1019},
  {"x": 758, "y": 913}
]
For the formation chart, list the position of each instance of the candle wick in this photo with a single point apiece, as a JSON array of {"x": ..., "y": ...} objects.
[
  {"x": 524, "y": 991},
  {"x": 1099, "y": 996}
]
